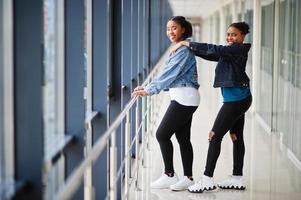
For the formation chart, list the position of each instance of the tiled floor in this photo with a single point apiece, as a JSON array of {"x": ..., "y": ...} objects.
[{"x": 268, "y": 172}]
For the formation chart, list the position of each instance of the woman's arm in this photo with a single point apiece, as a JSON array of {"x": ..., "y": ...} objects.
[
  {"x": 213, "y": 52},
  {"x": 168, "y": 75},
  {"x": 218, "y": 51},
  {"x": 211, "y": 57}
]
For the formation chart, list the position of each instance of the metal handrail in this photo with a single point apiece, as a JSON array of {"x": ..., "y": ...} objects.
[{"x": 74, "y": 180}]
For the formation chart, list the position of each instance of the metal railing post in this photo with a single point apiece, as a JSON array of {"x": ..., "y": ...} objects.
[
  {"x": 152, "y": 108},
  {"x": 113, "y": 166},
  {"x": 147, "y": 115},
  {"x": 144, "y": 139},
  {"x": 137, "y": 143},
  {"x": 127, "y": 153}
]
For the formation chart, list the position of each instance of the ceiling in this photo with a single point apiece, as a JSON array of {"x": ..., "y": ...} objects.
[{"x": 194, "y": 8}]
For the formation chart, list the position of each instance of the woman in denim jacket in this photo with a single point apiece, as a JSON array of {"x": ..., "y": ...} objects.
[
  {"x": 180, "y": 78},
  {"x": 231, "y": 77}
]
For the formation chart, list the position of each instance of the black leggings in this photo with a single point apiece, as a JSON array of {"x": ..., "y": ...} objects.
[
  {"x": 231, "y": 117},
  {"x": 177, "y": 119}
]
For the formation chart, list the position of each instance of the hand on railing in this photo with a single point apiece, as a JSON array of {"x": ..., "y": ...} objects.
[{"x": 139, "y": 91}]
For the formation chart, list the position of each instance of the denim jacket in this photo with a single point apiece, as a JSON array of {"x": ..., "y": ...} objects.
[
  {"x": 231, "y": 66},
  {"x": 179, "y": 71}
]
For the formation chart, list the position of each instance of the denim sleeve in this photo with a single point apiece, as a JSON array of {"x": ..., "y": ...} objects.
[
  {"x": 170, "y": 72},
  {"x": 216, "y": 51}
]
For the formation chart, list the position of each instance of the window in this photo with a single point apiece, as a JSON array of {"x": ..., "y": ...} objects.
[
  {"x": 265, "y": 79},
  {"x": 1, "y": 95},
  {"x": 298, "y": 42},
  {"x": 6, "y": 100},
  {"x": 217, "y": 27},
  {"x": 53, "y": 83},
  {"x": 88, "y": 90},
  {"x": 248, "y": 17},
  {"x": 228, "y": 15},
  {"x": 53, "y": 91}
]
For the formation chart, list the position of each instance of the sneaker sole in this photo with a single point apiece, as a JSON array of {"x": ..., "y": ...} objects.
[
  {"x": 210, "y": 189},
  {"x": 201, "y": 191},
  {"x": 232, "y": 187},
  {"x": 196, "y": 191}
]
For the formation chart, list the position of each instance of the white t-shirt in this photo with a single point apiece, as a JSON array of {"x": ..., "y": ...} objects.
[{"x": 187, "y": 96}]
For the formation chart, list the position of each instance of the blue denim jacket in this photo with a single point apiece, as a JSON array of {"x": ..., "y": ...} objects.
[
  {"x": 179, "y": 71},
  {"x": 231, "y": 66}
]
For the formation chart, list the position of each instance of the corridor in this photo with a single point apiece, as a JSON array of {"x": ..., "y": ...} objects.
[{"x": 69, "y": 128}]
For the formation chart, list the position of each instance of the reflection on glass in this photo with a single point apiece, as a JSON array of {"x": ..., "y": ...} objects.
[
  {"x": 248, "y": 18},
  {"x": 289, "y": 95},
  {"x": 264, "y": 97},
  {"x": 49, "y": 95},
  {"x": 53, "y": 94},
  {"x": 228, "y": 15},
  {"x": 1, "y": 96},
  {"x": 217, "y": 28},
  {"x": 1, "y": 115},
  {"x": 297, "y": 126}
]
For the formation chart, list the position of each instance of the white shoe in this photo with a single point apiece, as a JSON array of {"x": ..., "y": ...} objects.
[
  {"x": 233, "y": 182},
  {"x": 182, "y": 184},
  {"x": 206, "y": 183},
  {"x": 164, "y": 181}
]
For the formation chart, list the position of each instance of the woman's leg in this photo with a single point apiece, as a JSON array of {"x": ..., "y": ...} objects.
[
  {"x": 223, "y": 122},
  {"x": 183, "y": 137},
  {"x": 174, "y": 119},
  {"x": 238, "y": 146},
  {"x": 229, "y": 113}
]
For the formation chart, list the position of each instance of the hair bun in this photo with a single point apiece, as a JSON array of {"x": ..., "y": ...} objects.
[{"x": 242, "y": 26}]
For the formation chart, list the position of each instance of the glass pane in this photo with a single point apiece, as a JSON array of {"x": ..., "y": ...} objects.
[
  {"x": 50, "y": 78},
  {"x": 297, "y": 108},
  {"x": 1, "y": 94},
  {"x": 248, "y": 18},
  {"x": 286, "y": 67},
  {"x": 264, "y": 97},
  {"x": 53, "y": 93},
  {"x": 217, "y": 27},
  {"x": 49, "y": 71},
  {"x": 297, "y": 63},
  {"x": 6, "y": 99},
  {"x": 228, "y": 15}
]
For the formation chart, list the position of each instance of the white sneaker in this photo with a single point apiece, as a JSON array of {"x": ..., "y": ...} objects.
[
  {"x": 164, "y": 181},
  {"x": 233, "y": 182},
  {"x": 182, "y": 184},
  {"x": 206, "y": 183}
]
